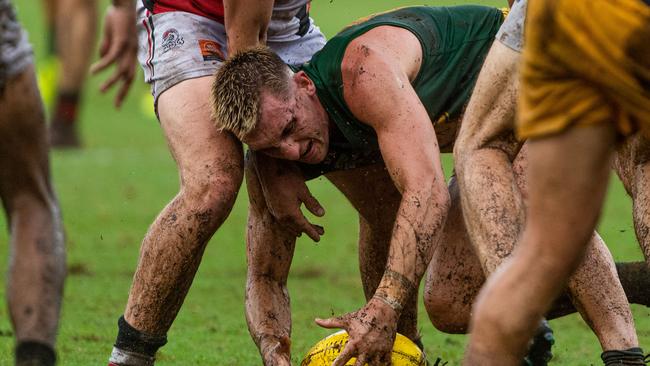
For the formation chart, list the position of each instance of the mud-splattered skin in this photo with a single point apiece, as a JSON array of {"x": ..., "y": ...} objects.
[
  {"x": 37, "y": 256},
  {"x": 396, "y": 244},
  {"x": 490, "y": 167},
  {"x": 391, "y": 58},
  {"x": 632, "y": 164},
  {"x": 209, "y": 178},
  {"x": 270, "y": 251}
]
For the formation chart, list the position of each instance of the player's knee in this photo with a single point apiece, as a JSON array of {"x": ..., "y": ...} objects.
[
  {"x": 445, "y": 314},
  {"x": 213, "y": 193}
]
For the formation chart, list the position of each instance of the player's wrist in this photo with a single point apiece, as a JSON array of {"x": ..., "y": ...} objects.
[
  {"x": 272, "y": 345},
  {"x": 386, "y": 299},
  {"x": 394, "y": 290}
]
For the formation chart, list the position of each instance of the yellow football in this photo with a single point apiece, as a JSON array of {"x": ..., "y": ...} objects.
[{"x": 405, "y": 352}]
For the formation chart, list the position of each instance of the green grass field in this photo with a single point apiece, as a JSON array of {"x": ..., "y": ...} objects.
[{"x": 112, "y": 189}]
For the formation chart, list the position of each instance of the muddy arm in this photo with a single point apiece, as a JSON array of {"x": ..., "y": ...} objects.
[{"x": 269, "y": 253}]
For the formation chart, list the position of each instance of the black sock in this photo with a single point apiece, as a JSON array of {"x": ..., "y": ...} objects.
[
  {"x": 34, "y": 353},
  {"x": 630, "y": 356},
  {"x": 132, "y": 340}
]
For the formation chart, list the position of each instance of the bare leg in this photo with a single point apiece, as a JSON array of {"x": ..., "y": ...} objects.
[
  {"x": 76, "y": 26},
  {"x": 490, "y": 168},
  {"x": 454, "y": 276},
  {"x": 269, "y": 252},
  {"x": 484, "y": 151},
  {"x": 565, "y": 200},
  {"x": 37, "y": 261},
  {"x": 211, "y": 169},
  {"x": 632, "y": 163},
  {"x": 377, "y": 204}
]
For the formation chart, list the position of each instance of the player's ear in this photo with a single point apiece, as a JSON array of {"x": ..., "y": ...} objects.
[{"x": 304, "y": 82}]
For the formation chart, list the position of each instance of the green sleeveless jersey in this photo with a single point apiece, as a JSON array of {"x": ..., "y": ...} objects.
[{"x": 454, "y": 43}]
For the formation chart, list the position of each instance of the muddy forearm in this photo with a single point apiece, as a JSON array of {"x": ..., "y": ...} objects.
[
  {"x": 268, "y": 312},
  {"x": 417, "y": 227}
]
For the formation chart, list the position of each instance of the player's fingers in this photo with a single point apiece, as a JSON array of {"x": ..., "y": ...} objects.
[
  {"x": 106, "y": 40},
  {"x": 117, "y": 75},
  {"x": 312, "y": 231},
  {"x": 333, "y": 322},
  {"x": 361, "y": 360},
  {"x": 128, "y": 73},
  {"x": 285, "y": 345},
  {"x": 345, "y": 356},
  {"x": 123, "y": 92},
  {"x": 106, "y": 61},
  {"x": 105, "y": 45},
  {"x": 288, "y": 224},
  {"x": 313, "y": 205},
  {"x": 302, "y": 225},
  {"x": 381, "y": 360},
  {"x": 320, "y": 229}
]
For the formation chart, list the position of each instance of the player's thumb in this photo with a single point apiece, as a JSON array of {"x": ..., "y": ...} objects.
[{"x": 334, "y": 322}]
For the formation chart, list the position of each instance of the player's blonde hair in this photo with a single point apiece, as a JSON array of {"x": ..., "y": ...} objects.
[{"x": 238, "y": 85}]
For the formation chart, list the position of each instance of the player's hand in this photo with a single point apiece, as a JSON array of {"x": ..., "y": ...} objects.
[
  {"x": 284, "y": 192},
  {"x": 119, "y": 47},
  {"x": 371, "y": 331},
  {"x": 276, "y": 351}
]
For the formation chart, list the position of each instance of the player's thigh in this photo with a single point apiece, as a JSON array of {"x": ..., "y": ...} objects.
[
  {"x": 488, "y": 121},
  {"x": 200, "y": 150},
  {"x": 23, "y": 144},
  {"x": 371, "y": 191},
  {"x": 567, "y": 179}
]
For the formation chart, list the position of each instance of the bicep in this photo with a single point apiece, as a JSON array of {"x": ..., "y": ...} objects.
[{"x": 385, "y": 100}]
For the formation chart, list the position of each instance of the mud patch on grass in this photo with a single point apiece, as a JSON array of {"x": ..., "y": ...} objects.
[{"x": 79, "y": 269}]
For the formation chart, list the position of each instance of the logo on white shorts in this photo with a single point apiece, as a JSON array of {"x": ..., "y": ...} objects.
[{"x": 171, "y": 39}]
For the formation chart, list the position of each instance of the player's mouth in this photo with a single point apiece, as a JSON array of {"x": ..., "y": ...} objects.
[{"x": 307, "y": 156}]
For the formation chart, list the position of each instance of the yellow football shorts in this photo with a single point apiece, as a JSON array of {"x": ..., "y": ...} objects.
[{"x": 585, "y": 62}]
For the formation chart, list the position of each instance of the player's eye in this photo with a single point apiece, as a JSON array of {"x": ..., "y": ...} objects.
[{"x": 289, "y": 128}]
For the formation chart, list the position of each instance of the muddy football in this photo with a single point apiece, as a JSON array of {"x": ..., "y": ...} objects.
[{"x": 405, "y": 352}]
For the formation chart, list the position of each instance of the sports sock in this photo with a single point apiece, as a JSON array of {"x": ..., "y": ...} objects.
[
  {"x": 65, "y": 110},
  {"x": 134, "y": 348},
  {"x": 31, "y": 353},
  {"x": 630, "y": 356}
]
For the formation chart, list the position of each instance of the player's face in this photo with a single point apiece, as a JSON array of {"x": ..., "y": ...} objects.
[{"x": 292, "y": 128}]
